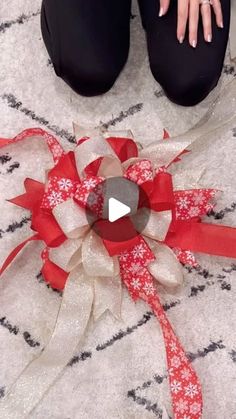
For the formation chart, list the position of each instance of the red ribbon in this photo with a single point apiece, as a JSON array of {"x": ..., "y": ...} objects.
[
  {"x": 185, "y": 387},
  {"x": 54, "y": 275},
  {"x": 17, "y": 250},
  {"x": 33, "y": 196},
  {"x": 66, "y": 167},
  {"x": 200, "y": 237}
]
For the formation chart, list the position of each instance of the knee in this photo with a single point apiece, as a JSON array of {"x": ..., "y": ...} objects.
[
  {"x": 82, "y": 72},
  {"x": 91, "y": 82},
  {"x": 187, "y": 90},
  {"x": 190, "y": 92}
]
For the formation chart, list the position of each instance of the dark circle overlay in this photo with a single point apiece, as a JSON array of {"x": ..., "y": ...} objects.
[{"x": 125, "y": 228}]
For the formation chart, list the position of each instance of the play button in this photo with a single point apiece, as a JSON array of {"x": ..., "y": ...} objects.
[
  {"x": 117, "y": 210},
  {"x": 114, "y": 210}
]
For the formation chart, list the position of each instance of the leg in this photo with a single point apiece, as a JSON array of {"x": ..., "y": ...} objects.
[
  {"x": 186, "y": 74},
  {"x": 87, "y": 40}
]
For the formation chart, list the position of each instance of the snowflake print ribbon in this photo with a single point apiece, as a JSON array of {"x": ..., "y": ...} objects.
[{"x": 90, "y": 270}]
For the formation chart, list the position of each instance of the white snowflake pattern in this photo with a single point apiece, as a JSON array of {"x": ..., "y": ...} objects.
[
  {"x": 92, "y": 198},
  {"x": 144, "y": 164},
  {"x": 175, "y": 362},
  {"x": 173, "y": 346},
  {"x": 89, "y": 183},
  {"x": 183, "y": 202},
  {"x": 82, "y": 197},
  {"x": 178, "y": 214},
  {"x": 181, "y": 405},
  {"x": 183, "y": 357},
  {"x": 163, "y": 319},
  {"x": 138, "y": 251},
  {"x": 124, "y": 257},
  {"x": 198, "y": 199},
  {"x": 191, "y": 390},
  {"x": 57, "y": 150},
  {"x": 194, "y": 211},
  {"x": 147, "y": 175},
  {"x": 189, "y": 254},
  {"x": 64, "y": 184},
  {"x": 195, "y": 408},
  {"x": 133, "y": 175},
  {"x": 134, "y": 268},
  {"x": 136, "y": 284},
  {"x": 168, "y": 334},
  {"x": 149, "y": 288},
  {"x": 176, "y": 386},
  {"x": 185, "y": 374},
  {"x": 55, "y": 198}
]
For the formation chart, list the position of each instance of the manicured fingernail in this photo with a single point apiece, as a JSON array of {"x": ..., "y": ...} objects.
[
  {"x": 161, "y": 12},
  {"x": 194, "y": 44},
  {"x": 209, "y": 38},
  {"x": 221, "y": 25},
  {"x": 181, "y": 39}
]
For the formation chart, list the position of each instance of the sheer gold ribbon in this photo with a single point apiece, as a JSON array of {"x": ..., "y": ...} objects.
[
  {"x": 41, "y": 373},
  {"x": 94, "y": 284}
]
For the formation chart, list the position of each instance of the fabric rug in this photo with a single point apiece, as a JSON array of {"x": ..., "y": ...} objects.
[{"x": 120, "y": 370}]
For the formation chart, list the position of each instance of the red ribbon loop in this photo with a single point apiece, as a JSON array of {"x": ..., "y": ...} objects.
[
  {"x": 17, "y": 250},
  {"x": 162, "y": 196}
]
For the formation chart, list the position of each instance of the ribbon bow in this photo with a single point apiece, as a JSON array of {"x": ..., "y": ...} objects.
[{"x": 91, "y": 269}]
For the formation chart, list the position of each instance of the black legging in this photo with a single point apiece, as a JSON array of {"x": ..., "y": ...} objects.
[{"x": 88, "y": 42}]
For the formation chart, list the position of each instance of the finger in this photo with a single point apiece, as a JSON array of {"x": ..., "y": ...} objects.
[
  {"x": 193, "y": 22},
  {"x": 206, "y": 21},
  {"x": 164, "y": 6},
  {"x": 183, "y": 7},
  {"x": 218, "y": 12}
]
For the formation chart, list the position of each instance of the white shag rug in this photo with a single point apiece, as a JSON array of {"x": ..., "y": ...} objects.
[{"x": 120, "y": 371}]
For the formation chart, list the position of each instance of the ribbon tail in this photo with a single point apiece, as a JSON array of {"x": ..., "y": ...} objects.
[
  {"x": 17, "y": 250},
  {"x": 41, "y": 373},
  {"x": 107, "y": 296},
  {"x": 185, "y": 387},
  {"x": 53, "y": 145},
  {"x": 218, "y": 240}
]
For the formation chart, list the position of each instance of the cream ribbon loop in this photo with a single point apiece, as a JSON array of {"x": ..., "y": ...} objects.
[
  {"x": 71, "y": 218},
  {"x": 89, "y": 151},
  {"x": 95, "y": 258}
]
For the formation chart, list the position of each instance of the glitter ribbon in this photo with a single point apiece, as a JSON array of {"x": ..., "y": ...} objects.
[{"x": 91, "y": 270}]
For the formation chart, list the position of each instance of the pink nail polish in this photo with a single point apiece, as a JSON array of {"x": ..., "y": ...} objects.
[
  {"x": 209, "y": 38},
  {"x": 181, "y": 39},
  {"x": 194, "y": 44},
  {"x": 161, "y": 12}
]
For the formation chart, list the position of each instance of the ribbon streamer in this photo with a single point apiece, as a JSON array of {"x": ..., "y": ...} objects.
[{"x": 41, "y": 373}]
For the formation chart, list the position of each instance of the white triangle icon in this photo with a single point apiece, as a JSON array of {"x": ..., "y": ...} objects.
[{"x": 117, "y": 210}]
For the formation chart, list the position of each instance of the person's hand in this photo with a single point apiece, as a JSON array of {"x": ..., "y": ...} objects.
[{"x": 189, "y": 12}]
